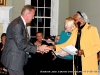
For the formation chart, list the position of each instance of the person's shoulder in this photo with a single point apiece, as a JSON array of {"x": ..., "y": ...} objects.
[
  {"x": 63, "y": 31},
  {"x": 90, "y": 26},
  {"x": 74, "y": 30},
  {"x": 92, "y": 29},
  {"x": 16, "y": 21}
]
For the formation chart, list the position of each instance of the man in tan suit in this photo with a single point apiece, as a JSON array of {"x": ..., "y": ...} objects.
[{"x": 89, "y": 44}]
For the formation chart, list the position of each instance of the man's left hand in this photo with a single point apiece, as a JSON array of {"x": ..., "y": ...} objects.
[{"x": 43, "y": 49}]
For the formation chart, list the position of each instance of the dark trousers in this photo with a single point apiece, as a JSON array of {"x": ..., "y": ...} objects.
[
  {"x": 44, "y": 63},
  {"x": 63, "y": 66},
  {"x": 78, "y": 65},
  {"x": 13, "y": 72},
  {"x": 31, "y": 67}
]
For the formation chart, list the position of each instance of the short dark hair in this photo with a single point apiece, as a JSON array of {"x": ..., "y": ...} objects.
[
  {"x": 27, "y": 7},
  {"x": 39, "y": 32},
  {"x": 3, "y": 34}
]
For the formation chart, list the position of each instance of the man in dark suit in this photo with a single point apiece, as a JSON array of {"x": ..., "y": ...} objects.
[{"x": 16, "y": 45}]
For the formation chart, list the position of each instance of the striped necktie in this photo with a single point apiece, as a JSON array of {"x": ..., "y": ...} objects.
[{"x": 27, "y": 34}]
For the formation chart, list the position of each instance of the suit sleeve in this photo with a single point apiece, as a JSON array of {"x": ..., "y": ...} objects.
[
  {"x": 96, "y": 43},
  {"x": 20, "y": 39}
]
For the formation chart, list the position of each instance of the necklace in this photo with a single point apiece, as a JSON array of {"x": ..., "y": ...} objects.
[{"x": 68, "y": 33}]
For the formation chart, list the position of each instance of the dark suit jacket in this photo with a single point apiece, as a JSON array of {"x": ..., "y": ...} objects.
[{"x": 14, "y": 52}]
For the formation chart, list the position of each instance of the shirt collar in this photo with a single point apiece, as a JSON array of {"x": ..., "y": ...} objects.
[
  {"x": 23, "y": 21},
  {"x": 82, "y": 26}
]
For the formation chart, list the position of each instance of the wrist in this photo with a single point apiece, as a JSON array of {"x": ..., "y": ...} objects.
[
  {"x": 37, "y": 47},
  {"x": 52, "y": 47}
]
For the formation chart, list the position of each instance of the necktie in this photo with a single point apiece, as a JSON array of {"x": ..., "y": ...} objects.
[
  {"x": 27, "y": 34},
  {"x": 27, "y": 40},
  {"x": 77, "y": 60}
]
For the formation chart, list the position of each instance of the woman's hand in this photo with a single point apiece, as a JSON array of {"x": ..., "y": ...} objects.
[{"x": 64, "y": 54}]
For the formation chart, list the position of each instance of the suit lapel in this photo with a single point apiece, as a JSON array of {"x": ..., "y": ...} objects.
[
  {"x": 24, "y": 29},
  {"x": 21, "y": 21},
  {"x": 84, "y": 36}
]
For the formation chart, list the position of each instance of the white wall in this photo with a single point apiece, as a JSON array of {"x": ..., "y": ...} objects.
[
  {"x": 18, "y": 4},
  {"x": 66, "y": 8},
  {"x": 90, "y": 7},
  {"x": 63, "y": 13}
]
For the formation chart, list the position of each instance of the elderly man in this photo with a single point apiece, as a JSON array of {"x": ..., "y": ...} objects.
[
  {"x": 86, "y": 39},
  {"x": 17, "y": 46}
]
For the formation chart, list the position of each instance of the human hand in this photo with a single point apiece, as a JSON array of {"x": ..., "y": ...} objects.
[
  {"x": 43, "y": 49},
  {"x": 98, "y": 56},
  {"x": 81, "y": 52},
  {"x": 64, "y": 54},
  {"x": 50, "y": 41},
  {"x": 52, "y": 47}
]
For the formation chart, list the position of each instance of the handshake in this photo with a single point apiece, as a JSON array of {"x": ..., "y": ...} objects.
[{"x": 44, "y": 48}]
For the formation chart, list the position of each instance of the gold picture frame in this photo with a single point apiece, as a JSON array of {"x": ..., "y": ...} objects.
[{"x": 2, "y": 2}]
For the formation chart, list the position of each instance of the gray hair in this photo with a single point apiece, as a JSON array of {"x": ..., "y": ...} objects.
[
  {"x": 27, "y": 8},
  {"x": 84, "y": 16}
]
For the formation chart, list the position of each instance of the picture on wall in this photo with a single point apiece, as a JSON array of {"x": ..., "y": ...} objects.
[{"x": 2, "y": 2}]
